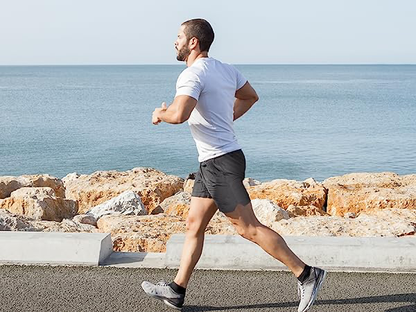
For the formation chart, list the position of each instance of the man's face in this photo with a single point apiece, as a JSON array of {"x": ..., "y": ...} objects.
[{"x": 181, "y": 46}]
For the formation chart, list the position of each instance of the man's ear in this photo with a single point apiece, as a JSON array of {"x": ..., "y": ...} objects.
[{"x": 193, "y": 43}]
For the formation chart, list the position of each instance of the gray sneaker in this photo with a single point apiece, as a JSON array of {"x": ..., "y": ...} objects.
[
  {"x": 162, "y": 291},
  {"x": 308, "y": 290}
]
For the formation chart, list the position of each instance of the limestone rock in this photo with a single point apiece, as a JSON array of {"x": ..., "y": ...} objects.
[
  {"x": 189, "y": 182},
  {"x": 9, "y": 184},
  {"x": 138, "y": 242},
  {"x": 289, "y": 192},
  {"x": 250, "y": 182},
  {"x": 66, "y": 226},
  {"x": 127, "y": 203},
  {"x": 150, "y": 233},
  {"x": 220, "y": 225},
  {"x": 177, "y": 205},
  {"x": 12, "y": 222},
  {"x": 267, "y": 212},
  {"x": 391, "y": 222},
  {"x": 297, "y": 211},
  {"x": 141, "y": 233},
  {"x": 85, "y": 219},
  {"x": 39, "y": 203},
  {"x": 359, "y": 192},
  {"x": 188, "y": 186},
  {"x": 151, "y": 185}
]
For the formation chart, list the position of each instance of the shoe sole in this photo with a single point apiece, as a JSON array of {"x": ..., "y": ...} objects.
[
  {"x": 165, "y": 301},
  {"x": 171, "y": 305},
  {"x": 315, "y": 294}
]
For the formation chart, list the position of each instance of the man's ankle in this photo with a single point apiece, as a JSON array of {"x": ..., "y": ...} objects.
[{"x": 179, "y": 289}]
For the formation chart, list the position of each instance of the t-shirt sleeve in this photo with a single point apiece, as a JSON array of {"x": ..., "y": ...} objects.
[
  {"x": 188, "y": 83},
  {"x": 241, "y": 80}
]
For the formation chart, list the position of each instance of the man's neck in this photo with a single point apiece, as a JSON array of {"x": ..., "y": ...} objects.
[{"x": 195, "y": 56}]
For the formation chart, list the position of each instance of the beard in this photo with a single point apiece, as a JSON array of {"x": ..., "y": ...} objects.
[{"x": 183, "y": 54}]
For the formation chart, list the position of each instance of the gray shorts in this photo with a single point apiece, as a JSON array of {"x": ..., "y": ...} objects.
[{"x": 221, "y": 178}]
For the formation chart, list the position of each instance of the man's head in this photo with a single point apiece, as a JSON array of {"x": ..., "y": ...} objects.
[{"x": 194, "y": 33}]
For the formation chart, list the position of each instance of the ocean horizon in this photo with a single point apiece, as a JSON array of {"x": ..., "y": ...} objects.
[{"x": 311, "y": 121}]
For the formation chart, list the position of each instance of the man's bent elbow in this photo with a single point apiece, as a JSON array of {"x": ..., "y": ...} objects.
[
  {"x": 255, "y": 98},
  {"x": 181, "y": 119}
]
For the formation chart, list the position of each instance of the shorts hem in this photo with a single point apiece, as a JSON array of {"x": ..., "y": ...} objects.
[{"x": 201, "y": 195}]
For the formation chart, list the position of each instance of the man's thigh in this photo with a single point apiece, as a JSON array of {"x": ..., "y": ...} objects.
[{"x": 201, "y": 212}]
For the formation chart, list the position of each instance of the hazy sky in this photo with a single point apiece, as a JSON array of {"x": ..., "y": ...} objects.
[{"x": 253, "y": 32}]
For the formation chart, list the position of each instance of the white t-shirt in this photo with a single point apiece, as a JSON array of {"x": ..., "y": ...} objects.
[{"x": 213, "y": 84}]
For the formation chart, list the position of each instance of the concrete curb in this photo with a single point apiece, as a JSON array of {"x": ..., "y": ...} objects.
[
  {"x": 151, "y": 260},
  {"x": 54, "y": 248},
  {"x": 363, "y": 254},
  {"x": 221, "y": 252}
]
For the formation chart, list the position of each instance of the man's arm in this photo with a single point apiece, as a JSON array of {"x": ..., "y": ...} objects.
[
  {"x": 246, "y": 96},
  {"x": 177, "y": 113}
]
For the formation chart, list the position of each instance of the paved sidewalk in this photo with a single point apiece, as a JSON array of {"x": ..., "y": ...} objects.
[{"x": 46, "y": 288}]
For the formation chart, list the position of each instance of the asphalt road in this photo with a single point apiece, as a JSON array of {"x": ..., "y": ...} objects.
[{"x": 64, "y": 289}]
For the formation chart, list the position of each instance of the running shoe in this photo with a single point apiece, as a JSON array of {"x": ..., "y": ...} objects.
[
  {"x": 308, "y": 290},
  {"x": 162, "y": 291}
]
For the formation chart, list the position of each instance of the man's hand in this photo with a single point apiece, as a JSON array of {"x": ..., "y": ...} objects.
[
  {"x": 177, "y": 112},
  {"x": 155, "y": 117}
]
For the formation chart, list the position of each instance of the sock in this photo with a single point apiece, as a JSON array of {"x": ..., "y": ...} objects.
[
  {"x": 305, "y": 274},
  {"x": 177, "y": 288}
]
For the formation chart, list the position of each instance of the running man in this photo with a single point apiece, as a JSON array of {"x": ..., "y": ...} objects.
[{"x": 211, "y": 95}]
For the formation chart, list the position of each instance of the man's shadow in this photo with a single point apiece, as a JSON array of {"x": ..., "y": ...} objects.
[{"x": 411, "y": 298}]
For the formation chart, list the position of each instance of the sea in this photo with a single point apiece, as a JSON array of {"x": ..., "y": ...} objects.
[{"x": 314, "y": 121}]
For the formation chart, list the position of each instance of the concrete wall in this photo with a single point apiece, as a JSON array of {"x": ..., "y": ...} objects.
[
  {"x": 334, "y": 253},
  {"x": 54, "y": 248}
]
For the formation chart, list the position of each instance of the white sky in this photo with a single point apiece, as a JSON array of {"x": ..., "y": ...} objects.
[{"x": 247, "y": 32}]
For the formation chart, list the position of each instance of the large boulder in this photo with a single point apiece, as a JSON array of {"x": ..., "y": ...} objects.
[
  {"x": 151, "y": 185},
  {"x": 357, "y": 192},
  {"x": 177, "y": 205},
  {"x": 390, "y": 222},
  {"x": 289, "y": 192},
  {"x": 127, "y": 203},
  {"x": 267, "y": 212},
  {"x": 66, "y": 226},
  {"x": 85, "y": 219},
  {"x": 150, "y": 233},
  {"x": 9, "y": 184},
  {"x": 12, "y": 222},
  {"x": 141, "y": 233},
  {"x": 305, "y": 211},
  {"x": 250, "y": 182},
  {"x": 39, "y": 203}
]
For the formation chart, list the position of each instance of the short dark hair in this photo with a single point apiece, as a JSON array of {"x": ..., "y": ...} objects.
[{"x": 201, "y": 30}]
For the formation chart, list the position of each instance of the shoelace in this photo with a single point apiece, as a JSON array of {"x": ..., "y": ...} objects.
[
  {"x": 301, "y": 291},
  {"x": 160, "y": 288}
]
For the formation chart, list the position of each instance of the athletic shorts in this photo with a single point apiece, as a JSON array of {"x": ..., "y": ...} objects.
[{"x": 221, "y": 178}]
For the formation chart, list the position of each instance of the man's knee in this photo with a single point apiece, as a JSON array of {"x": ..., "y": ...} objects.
[
  {"x": 194, "y": 226},
  {"x": 249, "y": 232}
]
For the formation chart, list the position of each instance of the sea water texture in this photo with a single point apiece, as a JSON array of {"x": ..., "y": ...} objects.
[{"x": 311, "y": 121}]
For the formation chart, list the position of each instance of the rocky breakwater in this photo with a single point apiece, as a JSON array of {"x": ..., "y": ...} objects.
[
  {"x": 39, "y": 197},
  {"x": 143, "y": 207},
  {"x": 78, "y": 202},
  {"x": 355, "y": 193},
  {"x": 151, "y": 185}
]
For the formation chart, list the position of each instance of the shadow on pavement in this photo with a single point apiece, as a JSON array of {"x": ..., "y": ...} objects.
[
  {"x": 191, "y": 308},
  {"x": 124, "y": 258},
  {"x": 411, "y": 297}
]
